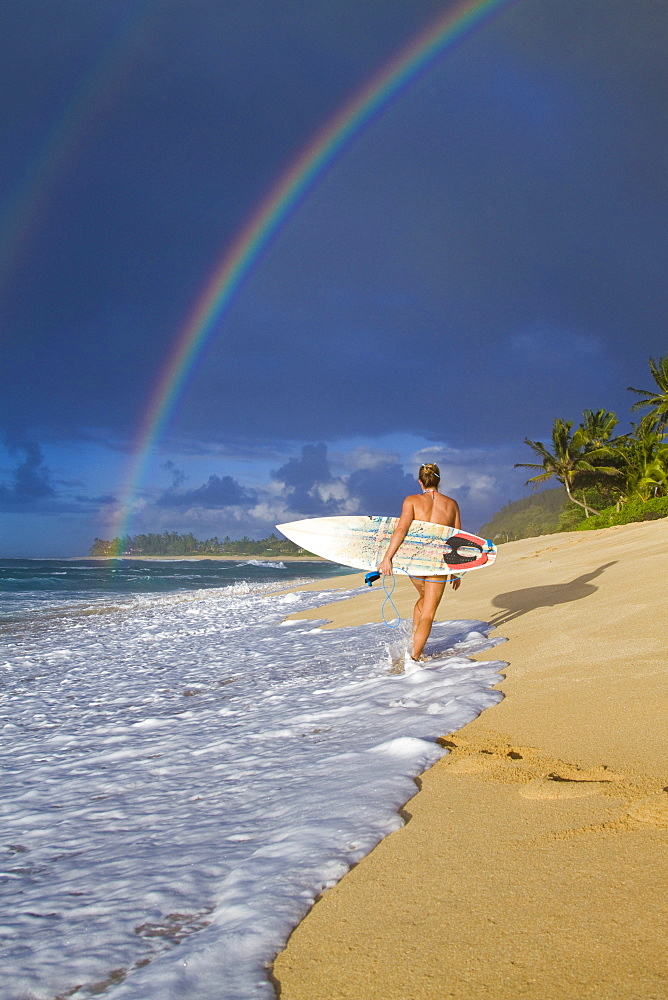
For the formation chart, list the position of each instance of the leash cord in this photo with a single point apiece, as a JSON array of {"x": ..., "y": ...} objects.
[{"x": 388, "y": 597}]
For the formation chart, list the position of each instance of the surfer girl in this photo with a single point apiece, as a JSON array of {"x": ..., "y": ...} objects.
[{"x": 432, "y": 506}]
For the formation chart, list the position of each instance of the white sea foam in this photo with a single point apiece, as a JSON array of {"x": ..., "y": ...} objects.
[
  {"x": 265, "y": 564},
  {"x": 189, "y": 770}
]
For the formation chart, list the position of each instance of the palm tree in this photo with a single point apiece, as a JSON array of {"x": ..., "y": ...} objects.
[
  {"x": 645, "y": 460},
  {"x": 658, "y": 400},
  {"x": 572, "y": 455},
  {"x": 598, "y": 425}
]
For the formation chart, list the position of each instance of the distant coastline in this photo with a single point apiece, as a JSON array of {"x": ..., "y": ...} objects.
[
  {"x": 171, "y": 544},
  {"x": 215, "y": 558}
]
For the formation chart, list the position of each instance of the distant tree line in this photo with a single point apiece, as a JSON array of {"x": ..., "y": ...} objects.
[
  {"x": 170, "y": 543},
  {"x": 608, "y": 479}
]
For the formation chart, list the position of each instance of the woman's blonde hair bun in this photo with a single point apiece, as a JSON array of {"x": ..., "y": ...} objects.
[{"x": 429, "y": 475}]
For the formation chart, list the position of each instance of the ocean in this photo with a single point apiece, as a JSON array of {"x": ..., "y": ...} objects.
[{"x": 185, "y": 768}]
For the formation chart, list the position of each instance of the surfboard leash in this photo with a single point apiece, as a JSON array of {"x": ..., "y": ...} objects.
[{"x": 369, "y": 580}]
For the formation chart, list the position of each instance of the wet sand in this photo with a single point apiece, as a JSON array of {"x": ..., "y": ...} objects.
[{"x": 534, "y": 862}]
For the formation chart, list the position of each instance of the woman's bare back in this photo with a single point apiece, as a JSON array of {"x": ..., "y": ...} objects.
[{"x": 435, "y": 508}]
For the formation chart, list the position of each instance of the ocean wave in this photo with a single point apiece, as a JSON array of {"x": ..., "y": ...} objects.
[
  {"x": 203, "y": 774},
  {"x": 264, "y": 565}
]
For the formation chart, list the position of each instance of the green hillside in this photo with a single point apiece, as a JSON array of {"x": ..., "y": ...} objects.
[{"x": 534, "y": 515}]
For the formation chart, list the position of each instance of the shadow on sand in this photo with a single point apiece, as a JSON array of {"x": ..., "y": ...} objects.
[{"x": 518, "y": 602}]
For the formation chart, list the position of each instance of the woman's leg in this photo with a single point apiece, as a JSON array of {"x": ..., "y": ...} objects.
[
  {"x": 418, "y": 583},
  {"x": 424, "y": 611}
]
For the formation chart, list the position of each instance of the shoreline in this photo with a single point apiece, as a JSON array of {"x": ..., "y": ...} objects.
[{"x": 550, "y": 807}]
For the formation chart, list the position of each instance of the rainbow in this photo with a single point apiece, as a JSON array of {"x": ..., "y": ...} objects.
[
  {"x": 26, "y": 205},
  {"x": 262, "y": 225}
]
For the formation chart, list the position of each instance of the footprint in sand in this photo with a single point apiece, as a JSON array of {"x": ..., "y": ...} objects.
[
  {"x": 652, "y": 809},
  {"x": 544, "y": 778},
  {"x": 473, "y": 763},
  {"x": 500, "y": 761},
  {"x": 560, "y": 788}
]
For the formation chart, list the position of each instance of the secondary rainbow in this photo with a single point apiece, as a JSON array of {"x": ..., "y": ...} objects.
[
  {"x": 291, "y": 187},
  {"x": 26, "y": 206}
]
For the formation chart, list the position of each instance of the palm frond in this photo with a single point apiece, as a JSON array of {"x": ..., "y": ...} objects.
[{"x": 539, "y": 479}]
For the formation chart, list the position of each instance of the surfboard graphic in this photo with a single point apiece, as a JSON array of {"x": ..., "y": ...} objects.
[{"x": 360, "y": 541}]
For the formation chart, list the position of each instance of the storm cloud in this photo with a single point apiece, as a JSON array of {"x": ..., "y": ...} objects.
[
  {"x": 216, "y": 493},
  {"x": 30, "y": 480},
  {"x": 486, "y": 254}
]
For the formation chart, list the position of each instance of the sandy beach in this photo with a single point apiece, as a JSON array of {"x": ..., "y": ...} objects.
[{"x": 533, "y": 862}]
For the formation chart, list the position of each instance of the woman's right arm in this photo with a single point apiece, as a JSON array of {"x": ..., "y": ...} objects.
[{"x": 398, "y": 535}]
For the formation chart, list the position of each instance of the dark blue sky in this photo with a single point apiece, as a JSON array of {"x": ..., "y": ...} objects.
[{"x": 486, "y": 255}]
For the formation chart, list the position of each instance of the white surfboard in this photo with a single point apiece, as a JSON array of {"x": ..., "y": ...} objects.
[{"x": 361, "y": 542}]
